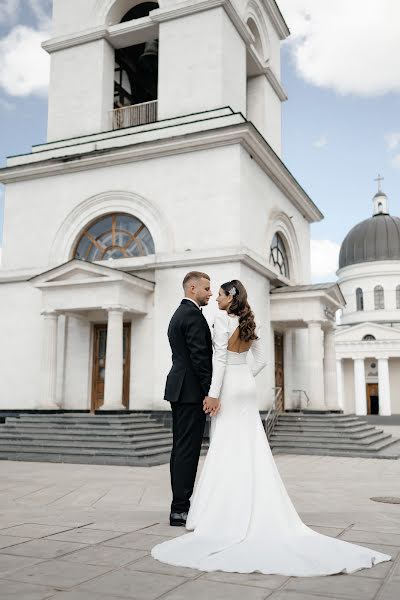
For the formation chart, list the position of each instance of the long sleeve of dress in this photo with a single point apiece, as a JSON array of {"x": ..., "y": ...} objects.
[
  {"x": 259, "y": 354},
  {"x": 220, "y": 343}
]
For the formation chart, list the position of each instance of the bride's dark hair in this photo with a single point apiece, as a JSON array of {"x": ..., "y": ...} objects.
[{"x": 241, "y": 308}]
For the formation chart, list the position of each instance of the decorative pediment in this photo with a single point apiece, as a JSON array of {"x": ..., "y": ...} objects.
[
  {"x": 356, "y": 333},
  {"x": 76, "y": 271}
]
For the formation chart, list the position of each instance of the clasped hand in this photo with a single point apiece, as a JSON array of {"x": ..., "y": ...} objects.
[{"x": 211, "y": 405}]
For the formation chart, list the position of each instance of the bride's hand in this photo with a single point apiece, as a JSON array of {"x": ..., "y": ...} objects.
[{"x": 211, "y": 405}]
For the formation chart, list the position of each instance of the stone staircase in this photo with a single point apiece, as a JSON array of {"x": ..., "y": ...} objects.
[
  {"x": 135, "y": 439},
  {"x": 332, "y": 435}
]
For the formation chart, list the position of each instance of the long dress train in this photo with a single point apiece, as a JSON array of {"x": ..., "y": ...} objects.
[{"x": 241, "y": 517}]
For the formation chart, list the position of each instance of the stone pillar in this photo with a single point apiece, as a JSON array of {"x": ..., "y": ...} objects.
[
  {"x": 340, "y": 383},
  {"x": 360, "y": 392},
  {"x": 330, "y": 376},
  {"x": 384, "y": 387},
  {"x": 114, "y": 360},
  {"x": 288, "y": 368},
  {"x": 48, "y": 369},
  {"x": 316, "y": 366}
]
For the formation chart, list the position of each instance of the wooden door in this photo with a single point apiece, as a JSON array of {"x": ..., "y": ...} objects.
[
  {"x": 279, "y": 366},
  {"x": 99, "y": 365},
  {"x": 372, "y": 399}
]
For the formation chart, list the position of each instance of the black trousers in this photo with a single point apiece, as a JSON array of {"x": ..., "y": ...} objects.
[{"x": 188, "y": 421}]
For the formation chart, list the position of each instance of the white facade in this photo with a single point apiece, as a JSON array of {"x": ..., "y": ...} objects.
[
  {"x": 208, "y": 185},
  {"x": 368, "y": 337}
]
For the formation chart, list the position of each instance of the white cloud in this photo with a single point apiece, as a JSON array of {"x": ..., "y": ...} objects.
[
  {"x": 4, "y": 104},
  {"x": 24, "y": 65},
  {"x": 395, "y": 162},
  {"x": 350, "y": 47},
  {"x": 324, "y": 260},
  {"x": 392, "y": 140},
  {"x": 320, "y": 142},
  {"x": 8, "y": 10}
]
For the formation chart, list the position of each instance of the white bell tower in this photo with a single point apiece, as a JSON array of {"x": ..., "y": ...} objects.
[{"x": 200, "y": 56}]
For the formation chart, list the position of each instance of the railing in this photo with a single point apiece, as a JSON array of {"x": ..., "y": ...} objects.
[
  {"x": 137, "y": 114},
  {"x": 274, "y": 411},
  {"x": 300, "y": 392}
]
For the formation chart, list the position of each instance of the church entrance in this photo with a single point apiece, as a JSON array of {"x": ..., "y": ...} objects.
[
  {"x": 99, "y": 365},
  {"x": 279, "y": 367},
  {"x": 372, "y": 399}
]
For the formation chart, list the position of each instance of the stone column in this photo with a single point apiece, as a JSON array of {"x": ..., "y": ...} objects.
[
  {"x": 330, "y": 375},
  {"x": 48, "y": 368},
  {"x": 340, "y": 383},
  {"x": 316, "y": 366},
  {"x": 288, "y": 368},
  {"x": 114, "y": 360},
  {"x": 360, "y": 392},
  {"x": 384, "y": 387}
]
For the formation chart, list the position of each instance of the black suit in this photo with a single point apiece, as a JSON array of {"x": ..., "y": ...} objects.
[{"x": 188, "y": 382}]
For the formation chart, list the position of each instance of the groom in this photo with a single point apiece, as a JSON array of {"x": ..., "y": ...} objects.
[{"x": 186, "y": 389}]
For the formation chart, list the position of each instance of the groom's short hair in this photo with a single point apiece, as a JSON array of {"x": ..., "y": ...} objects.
[{"x": 194, "y": 275}]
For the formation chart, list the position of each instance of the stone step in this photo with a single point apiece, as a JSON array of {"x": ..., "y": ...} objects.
[
  {"x": 298, "y": 427},
  {"x": 374, "y": 447},
  {"x": 150, "y": 426},
  {"x": 278, "y": 433},
  {"x": 330, "y": 441},
  {"x": 98, "y": 421},
  {"x": 76, "y": 435},
  {"x": 327, "y": 452},
  {"x": 320, "y": 422},
  {"x": 5, "y": 449},
  {"x": 80, "y": 444},
  {"x": 83, "y": 431}
]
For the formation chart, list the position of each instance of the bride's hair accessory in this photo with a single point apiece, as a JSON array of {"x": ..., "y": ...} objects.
[{"x": 232, "y": 291}]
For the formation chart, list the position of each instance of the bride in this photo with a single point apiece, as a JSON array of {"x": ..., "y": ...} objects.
[{"x": 241, "y": 517}]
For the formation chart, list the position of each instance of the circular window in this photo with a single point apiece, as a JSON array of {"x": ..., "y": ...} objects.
[{"x": 114, "y": 236}]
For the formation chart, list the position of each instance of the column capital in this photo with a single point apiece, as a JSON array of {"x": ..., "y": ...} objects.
[
  {"x": 115, "y": 308},
  {"x": 314, "y": 323},
  {"x": 49, "y": 313},
  {"x": 381, "y": 357}
]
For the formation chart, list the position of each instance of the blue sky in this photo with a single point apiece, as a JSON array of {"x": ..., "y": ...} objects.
[{"x": 340, "y": 125}]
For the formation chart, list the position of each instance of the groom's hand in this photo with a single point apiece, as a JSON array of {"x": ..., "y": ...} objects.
[{"x": 211, "y": 405}]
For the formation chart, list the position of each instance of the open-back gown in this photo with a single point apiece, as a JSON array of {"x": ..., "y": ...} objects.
[{"x": 241, "y": 517}]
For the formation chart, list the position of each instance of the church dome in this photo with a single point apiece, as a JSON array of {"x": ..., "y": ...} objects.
[{"x": 376, "y": 238}]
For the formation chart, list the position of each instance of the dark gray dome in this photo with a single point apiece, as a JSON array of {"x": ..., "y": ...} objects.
[{"x": 376, "y": 238}]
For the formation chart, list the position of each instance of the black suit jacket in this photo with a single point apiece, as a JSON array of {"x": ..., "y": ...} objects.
[{"x": 189, "y": 336}]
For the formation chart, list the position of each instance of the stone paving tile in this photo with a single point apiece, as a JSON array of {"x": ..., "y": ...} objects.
[
  {"x": 390, "y": 539},
  {"x": 10, "y": 540},
  {"x": 140, "y": 586},
  {"x": 9, "y": 563},
  {"x": 165, "y": 530},
  {"x": 129, "y": 526},
  {"x": 33, "y": 530},
  {"x": 85, "y": 535},
  {"x": 24, "y": 591},
  {"x": 150, "y": 565},
  {"x": 377, "y": 571},
  {"x": 43, "y": 549},
  {"x": 252, "y": 579},
  {"x": 105, "y": 555},
  {"x": 139, "y": 541},
  {"x": 393, "y": 551},
  {"x": 391, "y": 591},
  {"x": 340, "y": 586},
  {"x": 76, "y": 595},
  {"x": 288, "y": 595},
  {"x": 201, "y": 589},
  {"x": 331, "y": 531},
  {"x": 58, "y": 573}
]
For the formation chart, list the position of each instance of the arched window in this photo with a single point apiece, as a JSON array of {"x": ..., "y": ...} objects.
[
  {"x": 114, "y": 236},
  {"x": 398, "y": 296},
  {"x": 257, "y": 37},
  {"x": 368, "y": 338},
  {"x": 379, "y": 297},
  {"x": 136, "y": 67},
  {"x": 359, "y": 299},
  {"x": 278, "y": 255}
]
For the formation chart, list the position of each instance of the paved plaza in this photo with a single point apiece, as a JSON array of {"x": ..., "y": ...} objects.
[{"x": 84, "y": 532}]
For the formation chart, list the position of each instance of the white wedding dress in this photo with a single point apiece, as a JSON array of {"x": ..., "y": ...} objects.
[{"x": 241, "y": 516}]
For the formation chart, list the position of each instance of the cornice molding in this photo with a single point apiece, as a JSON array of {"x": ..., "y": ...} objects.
[
  {"x": 277, "y": 18},
  {"x": 114, "y": 32},
  {"x": 275, "y": 84},
  {"x": 243, "y": 133}
]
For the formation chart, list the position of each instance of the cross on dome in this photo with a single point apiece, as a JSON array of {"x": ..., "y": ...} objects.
[{"x": 379, "y": 179}]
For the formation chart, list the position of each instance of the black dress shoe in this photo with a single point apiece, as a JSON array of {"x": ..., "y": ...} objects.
[{"x": 177, "y": 519}]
